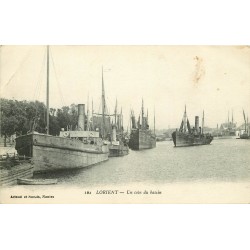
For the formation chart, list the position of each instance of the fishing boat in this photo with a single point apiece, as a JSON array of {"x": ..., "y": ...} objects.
[
  {"x": 245, "y": 134},
  {"x": 227, "y": 130},
  {"x": 111, "y": 132},
  {"x": 36, "y": 181},
  {"x": 141, "y": 137},
  {"x": 186, "y": 136},
  {"x": 71, "y": 149},
  {"x": 119, "y": 140}
]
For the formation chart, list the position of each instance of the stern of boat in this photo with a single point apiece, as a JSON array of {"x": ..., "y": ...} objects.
[
  {"x": 174, "y": 138},
  {"x": 24, "y": 145}
]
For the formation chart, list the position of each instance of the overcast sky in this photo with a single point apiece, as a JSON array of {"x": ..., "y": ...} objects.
[{"x": 213, "y": 78}]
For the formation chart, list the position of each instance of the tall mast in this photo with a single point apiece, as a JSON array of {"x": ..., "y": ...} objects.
[
  {"x": 247, "y": 127},
  {"x": 142, "y": 115},
  {"x": 115, "y": 111},
  {"x": 185, "y": 120},
  {"x": 0, "y": 88},
  {"x": 121, "y": 118},
  {"x": 232, "y": 116},
  {"x": 154, "y": 120},
  {"x": 202, "y": 122},
  {"x": 88, "y": 114},
  {"x": 130, "y": 121},
  {"x": 147, "y": 116},
  {"x": 103, "y": 107},
  {"x": 92, "y": 115},
  {"x": 245, "y": 121},
  {"x": 47, "y": 97}
]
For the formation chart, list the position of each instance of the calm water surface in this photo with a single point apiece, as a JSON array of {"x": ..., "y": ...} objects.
[{"x": 223, "y": 160}]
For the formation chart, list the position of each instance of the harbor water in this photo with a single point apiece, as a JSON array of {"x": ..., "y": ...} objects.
[
  {"x": 223, "y": 160},
  {"x": 216, "y": 173}
]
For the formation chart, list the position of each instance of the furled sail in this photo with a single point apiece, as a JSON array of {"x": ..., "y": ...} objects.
[
  {"x": 181, "y": 127},
  {"x": 188, "y": 126}
]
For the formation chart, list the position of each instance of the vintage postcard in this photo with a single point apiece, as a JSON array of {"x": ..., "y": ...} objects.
[{"x": 124, "y": 124}]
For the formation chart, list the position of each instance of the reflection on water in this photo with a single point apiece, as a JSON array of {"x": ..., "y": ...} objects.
[{"x": 223, "y": 160}]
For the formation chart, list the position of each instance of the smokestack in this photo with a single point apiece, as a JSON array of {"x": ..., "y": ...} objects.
[
  {"x": 133, "y": 120},
  {"x": 81, "y": 116},
  {"x": 197, "y": 123}
]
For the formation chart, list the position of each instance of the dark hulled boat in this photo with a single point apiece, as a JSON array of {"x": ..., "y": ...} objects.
[
  {"x": 245, "y": 134},
  {"x": 227, "y": 130},
  {"x": 186, "y": 136},
  {"x": 72, "y": 149},
  {"x": 141, "y": 137}
]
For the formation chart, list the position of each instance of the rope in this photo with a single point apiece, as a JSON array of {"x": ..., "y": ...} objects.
[
  {"x": 18, "y": 69},
  {"x": 38, "y": 85},
  {"x": 58, "y": 83},
  {"x": 37, "y": 92}
]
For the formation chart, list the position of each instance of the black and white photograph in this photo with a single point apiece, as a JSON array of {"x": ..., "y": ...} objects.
[{"x": 125, "y": 124}]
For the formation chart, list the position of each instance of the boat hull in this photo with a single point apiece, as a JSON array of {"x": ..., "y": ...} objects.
[
  {"x": 142, "y": 139},
  {"x": 118, "y": 150},
  {"x": 186, "y": 140},
  {"x": 50, "y": 153},
  {"x": 244, "y": 136}
]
